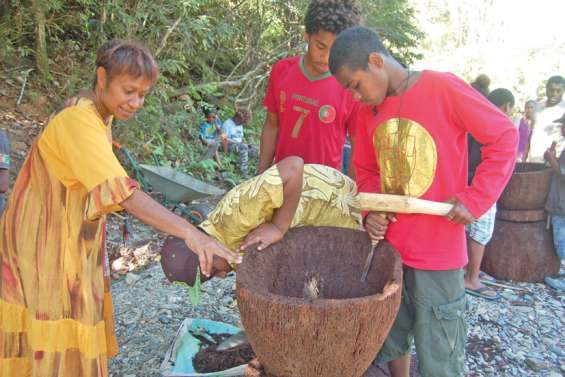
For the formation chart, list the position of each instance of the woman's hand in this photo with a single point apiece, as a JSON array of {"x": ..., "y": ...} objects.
[
  {"x": 206, "y": 247},
  {"x": 459, "y": 214},
  {"x": 264, "y": 235},
  {"x": 376, "y": 224}
]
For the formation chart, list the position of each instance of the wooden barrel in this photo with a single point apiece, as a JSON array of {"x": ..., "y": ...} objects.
[
  {"x": 520, "y": 251},
  {"x": 335, "y": 333},
  {"x": 527, "y": 188}
]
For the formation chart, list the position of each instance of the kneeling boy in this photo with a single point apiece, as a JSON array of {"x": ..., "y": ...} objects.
[{"x": 261, "y": 210}]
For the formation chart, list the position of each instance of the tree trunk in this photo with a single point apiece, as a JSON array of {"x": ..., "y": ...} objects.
[
  {"x": 4, "y": 10},
  {"x": 41, "y": 58}
]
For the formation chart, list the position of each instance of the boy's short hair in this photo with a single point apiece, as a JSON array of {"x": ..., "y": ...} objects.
[
  {"x": 481, "y": 84},
  {"x": 352, "y": 48},
  {"x": 559, "y": 80},
  {"x": 332, "y": 16},
  {"x": 208, "y": 110},
  {"x": 242, "y": 112},
  {"x": 500, "y": 97},
  {"x": 179, "y": 263}
]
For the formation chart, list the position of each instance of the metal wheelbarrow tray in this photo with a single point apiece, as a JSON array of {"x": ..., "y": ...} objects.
[{"x": 176, "y": 186}]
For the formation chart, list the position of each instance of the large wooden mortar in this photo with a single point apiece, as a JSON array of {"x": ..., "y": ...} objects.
[
  {"x": 527, "y": 188},
  {"x": 520, "y": 251},
  {"x": 337, "y": 334}
]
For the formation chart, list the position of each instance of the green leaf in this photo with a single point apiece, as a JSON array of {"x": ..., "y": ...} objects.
[{"x": 194, "y": 292}]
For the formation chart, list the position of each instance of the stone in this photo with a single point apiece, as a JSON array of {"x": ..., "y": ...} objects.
[
  {"x": 174, "y": 299},
  {"x": 536, "y": 365},
  {"x": 227, "y": 300},
  {"x": 119, "y": 265},
  {"x": 558, "y": 351},
  {"x": 523, "y": 309},
  {"x": 165, "y": 319},
  {"x": 132, "y": 317},
  {"x": 132, "y": 278}
]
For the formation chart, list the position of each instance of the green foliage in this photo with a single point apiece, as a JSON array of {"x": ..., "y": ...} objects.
[
  {"x": 194, "y": 292},
  {"x": 395, "y": 22}
]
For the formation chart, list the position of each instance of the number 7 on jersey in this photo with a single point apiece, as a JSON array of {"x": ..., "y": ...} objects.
[{"x": 300, "y": 121}]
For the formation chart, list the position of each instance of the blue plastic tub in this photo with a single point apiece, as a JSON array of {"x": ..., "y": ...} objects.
[{"x": 178, "y": 359}]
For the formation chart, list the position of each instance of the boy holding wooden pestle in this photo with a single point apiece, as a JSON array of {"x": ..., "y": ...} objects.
[{"x": 411, "y": 140}]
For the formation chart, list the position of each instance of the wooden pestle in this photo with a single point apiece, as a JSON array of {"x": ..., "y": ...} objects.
[
  {"x": 396, "y": 204},
  {"x": 401, "y": 204}
]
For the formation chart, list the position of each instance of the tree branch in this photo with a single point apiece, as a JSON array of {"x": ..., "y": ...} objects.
[{"x": 166, "y": 36}]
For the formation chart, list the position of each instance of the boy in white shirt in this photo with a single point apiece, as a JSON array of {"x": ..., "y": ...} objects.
[{"x": 233, "y": 129}]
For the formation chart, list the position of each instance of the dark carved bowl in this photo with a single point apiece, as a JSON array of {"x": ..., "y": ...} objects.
[{"x": 338, "y": 333}]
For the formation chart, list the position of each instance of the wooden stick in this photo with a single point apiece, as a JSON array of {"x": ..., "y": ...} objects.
[
  {"x": 401, "y": 204},
  {"x": 487, "y": 282},
  {"x": 19, "y": 100},
  {"x": 121, "y": 217}
]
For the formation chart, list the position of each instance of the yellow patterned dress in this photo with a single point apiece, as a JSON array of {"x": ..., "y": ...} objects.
[
  {"x": 55, "y": 307},
  {"x": 328, "y": 198}
]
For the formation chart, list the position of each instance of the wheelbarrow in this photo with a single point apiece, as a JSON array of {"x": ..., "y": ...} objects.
[{"x": 178, "y": 189}]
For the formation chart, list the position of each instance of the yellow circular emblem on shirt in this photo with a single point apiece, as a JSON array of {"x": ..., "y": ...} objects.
[{"x": 407, "y": 156}]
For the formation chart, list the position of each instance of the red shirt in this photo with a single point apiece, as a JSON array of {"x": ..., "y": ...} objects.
[
  {"x": 425, "y": 156},
  {"x": 313, "y": 113}
]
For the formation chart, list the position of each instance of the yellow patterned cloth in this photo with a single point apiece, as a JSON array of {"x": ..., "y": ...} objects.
[
  {"x": 328, "y": 199},
  {"x": 55, "y": 306}
]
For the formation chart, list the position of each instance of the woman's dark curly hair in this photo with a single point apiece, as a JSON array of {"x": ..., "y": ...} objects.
[{"x": 332, "y": 16}]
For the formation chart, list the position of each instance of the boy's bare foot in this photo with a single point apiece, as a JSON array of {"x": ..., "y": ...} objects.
[{"x": 474, "y": 287}]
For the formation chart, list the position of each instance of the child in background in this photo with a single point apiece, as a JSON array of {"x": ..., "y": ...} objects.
[
  {"x": 480, "y": 231},
  {"x": 211, "y": 135},
  {"x": 524, "y": 125},
  {"x": 555, "y": 204},
  {"x": 233, "y": 131}
]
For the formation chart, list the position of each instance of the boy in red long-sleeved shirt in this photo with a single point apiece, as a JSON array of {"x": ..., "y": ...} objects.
[{"x": 412, "y": 140}]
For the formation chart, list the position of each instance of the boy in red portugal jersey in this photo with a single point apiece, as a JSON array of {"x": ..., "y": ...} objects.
[{"x": 308, "y": 113}]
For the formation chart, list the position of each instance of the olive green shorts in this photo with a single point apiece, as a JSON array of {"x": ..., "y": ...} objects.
[{"x": 432, "y": 315}]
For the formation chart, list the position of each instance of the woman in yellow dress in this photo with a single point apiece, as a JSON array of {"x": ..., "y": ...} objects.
[{"x": 55, "y": 306}]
